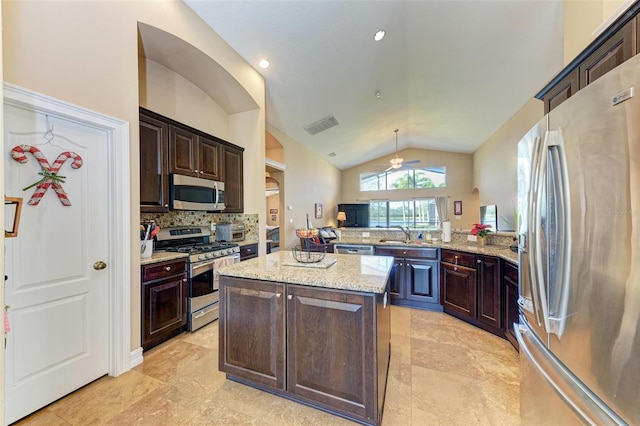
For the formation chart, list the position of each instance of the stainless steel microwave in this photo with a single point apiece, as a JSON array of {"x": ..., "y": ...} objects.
[{"x": 191, "y": 193}]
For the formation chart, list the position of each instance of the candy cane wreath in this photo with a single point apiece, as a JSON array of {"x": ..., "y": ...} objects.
[{"x": 49, "y": 173}]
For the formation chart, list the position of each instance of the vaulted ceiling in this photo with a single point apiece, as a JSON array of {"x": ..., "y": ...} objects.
[{"x": 449, "y": 73}]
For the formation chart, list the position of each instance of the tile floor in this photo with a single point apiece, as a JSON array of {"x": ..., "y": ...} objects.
[{"x": 443, "y": 372}]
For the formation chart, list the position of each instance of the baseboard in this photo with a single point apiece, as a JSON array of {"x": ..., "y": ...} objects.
[{"x": 135, "y": 358}]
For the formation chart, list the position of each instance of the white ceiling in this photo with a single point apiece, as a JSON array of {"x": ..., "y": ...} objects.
[{"x": 450, "y": 72}]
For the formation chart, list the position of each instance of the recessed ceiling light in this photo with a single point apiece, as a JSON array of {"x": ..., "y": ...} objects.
[
  {"x": 379, "y": 35},
  {"x": 264, "y": 64}
]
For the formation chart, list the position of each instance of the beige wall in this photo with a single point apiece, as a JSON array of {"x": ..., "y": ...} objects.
[
  {"x": 459, "y": 169},
  {"x": 86, "y": 53},
  {"x": 495, "y": 163},
  {"x": 307, "y": 180}
]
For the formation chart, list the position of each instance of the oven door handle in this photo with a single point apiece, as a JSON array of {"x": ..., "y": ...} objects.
[{"x": 200, "y": 268}]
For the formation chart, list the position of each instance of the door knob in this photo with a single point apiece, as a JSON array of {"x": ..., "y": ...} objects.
[{"x": 99, "y": 265}]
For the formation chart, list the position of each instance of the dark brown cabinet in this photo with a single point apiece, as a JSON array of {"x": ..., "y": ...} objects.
[
  {"x": 194, "y": 155},
  {"x": 327, "y": 348},
  {"x": 233, "y": 180},
  {"x": 414, "y": 277},
  {"x": 252, "y": 347},
  {"x": 164, "y": 301},
  {"x": 510, "y": 312},
  {"x": 615, "y": 45},
  {"x": 470, "y": 289},
  {"x": 562, "y": 91},
  {"x": 618, "y": 48},
  {"x": 154, "y": 165},
  {"x": 167, "y": 147},
  {"x": 248, "y": 251},
  {"x": 489, "y": 291}
]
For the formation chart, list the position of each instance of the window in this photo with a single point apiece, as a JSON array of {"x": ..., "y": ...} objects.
[
  {"x": 429, "y": 177},
  {"x": 418, "y": 213}
]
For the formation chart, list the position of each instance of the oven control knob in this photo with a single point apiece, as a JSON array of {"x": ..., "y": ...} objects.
[
  {"x": 209, "y": 255},
  {"x": 201, "y": 257}
]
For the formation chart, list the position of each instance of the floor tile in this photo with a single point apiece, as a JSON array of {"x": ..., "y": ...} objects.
[{"x": 442, "y": 371}]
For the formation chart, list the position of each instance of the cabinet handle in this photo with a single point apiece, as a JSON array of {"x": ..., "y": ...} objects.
[
  {"x": 456, "y": 261},
  {"x": 479, "y": 261},
  {"x": 166, "y": 205},
  {"x": 455, "y": 268},
  {"x": 278, "y": 295},
  {"x": 196, "y": 171},
  {"x": 167, "y": 268},
  {"x": 290, "y": 296},
  {"x": 184, "y": 279}
]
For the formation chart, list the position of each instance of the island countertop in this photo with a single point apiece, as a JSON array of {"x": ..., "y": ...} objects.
[{"x": 367, "y": 274}]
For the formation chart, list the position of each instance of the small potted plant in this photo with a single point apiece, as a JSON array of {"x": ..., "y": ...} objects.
[{"x": 481, "y": 231}]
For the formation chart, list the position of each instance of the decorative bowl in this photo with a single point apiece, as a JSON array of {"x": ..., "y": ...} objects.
[{"x": 312, "y": 254}]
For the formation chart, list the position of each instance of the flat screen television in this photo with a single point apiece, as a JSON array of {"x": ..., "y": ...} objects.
[{"x": 357, "y": 215}]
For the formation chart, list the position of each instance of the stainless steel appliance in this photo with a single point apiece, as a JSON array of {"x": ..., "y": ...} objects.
[
  {"x": 204, "y": 258},
  {"x": 353, "y": 249},
  {"x": 230, "y": 232},
  {"x": 191, "y": 193},
  {"x": 579, "y": 252}
]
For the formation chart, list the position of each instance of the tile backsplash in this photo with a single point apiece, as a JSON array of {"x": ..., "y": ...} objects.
[{"x": 198, "y": 218}]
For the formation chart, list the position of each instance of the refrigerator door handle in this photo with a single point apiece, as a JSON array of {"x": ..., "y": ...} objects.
[
  {"x": 538, "y": 281},
  {"x": 561, "y": 267}
]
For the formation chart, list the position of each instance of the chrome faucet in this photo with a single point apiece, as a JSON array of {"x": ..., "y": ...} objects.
[{"x": 407, "y": 233}]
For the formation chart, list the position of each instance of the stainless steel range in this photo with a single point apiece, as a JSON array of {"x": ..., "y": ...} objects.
[{"x": 205, "y": 256}]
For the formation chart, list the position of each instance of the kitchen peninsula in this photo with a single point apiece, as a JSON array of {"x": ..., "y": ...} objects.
[{"x": 315, "y": 333}]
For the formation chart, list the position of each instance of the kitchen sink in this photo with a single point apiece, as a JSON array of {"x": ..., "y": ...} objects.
[{"x": 393, "y": 241}]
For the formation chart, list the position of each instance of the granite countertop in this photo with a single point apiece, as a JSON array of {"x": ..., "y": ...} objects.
[
  {"x": 366, "y": 274},
  {"x": 503, "y": 252},
  {"x": 161, "y": 256}
]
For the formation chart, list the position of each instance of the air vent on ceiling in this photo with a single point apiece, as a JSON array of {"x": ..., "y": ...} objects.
[{"x": 321, "y": 125}]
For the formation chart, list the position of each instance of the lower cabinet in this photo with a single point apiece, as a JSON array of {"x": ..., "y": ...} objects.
[
  {"x": 470, "y": 289},
  {"x": 414, "y": 277},
  {"x": 164, "y": 301},
  {"x": 510, "y": 312},
  {"x": 326, "y": 348}
]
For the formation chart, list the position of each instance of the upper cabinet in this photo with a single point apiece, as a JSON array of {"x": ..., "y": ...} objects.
[
  {"x": 194, "y": 155},
  {"x": 620, "y": 47},
  {"x": 233, "y": 180},
  {"x": 618, "y": 43},
  {"x": 167, "y": 147},
  {"x": 154, "y": 177}
]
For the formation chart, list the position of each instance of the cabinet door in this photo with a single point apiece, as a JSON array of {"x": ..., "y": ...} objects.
[
  {"x": 254, "y": 345},
  {"x": 489, "y": 295},
  {"x": 458, "y": 289},
  {"x": 331, "y": 348},
  {"x": 562, "y": 91},
  {"x": 620, "y": 47},
  {"x": 510, "y": 309},
  {"x": 233, "y": 181},
  {"x": 163, "y": 309},
  {"x": 422, "y": 282},
  {"x": 396, "y": 280},
  {"x": 183, "y": 152},
  {"x": 154, "y": 165},
  {"x": 210, "y": 164}
]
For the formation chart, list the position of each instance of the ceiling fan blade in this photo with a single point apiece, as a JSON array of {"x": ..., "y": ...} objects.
[{"x": 412, "y": 162}]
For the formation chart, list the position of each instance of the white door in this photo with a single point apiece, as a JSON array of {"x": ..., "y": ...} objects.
[{"x": 59, "y": 302}]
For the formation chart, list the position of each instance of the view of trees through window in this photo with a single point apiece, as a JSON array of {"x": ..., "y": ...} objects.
[
  {"x": 418, "y": 213},
  {"x": 430, "y": 177}
]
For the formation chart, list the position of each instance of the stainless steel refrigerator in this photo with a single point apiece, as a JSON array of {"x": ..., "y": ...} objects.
[{"x": 579, "y": 253}]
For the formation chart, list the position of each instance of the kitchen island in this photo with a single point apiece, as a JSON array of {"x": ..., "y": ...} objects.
[{"x": 318, "y": 333}]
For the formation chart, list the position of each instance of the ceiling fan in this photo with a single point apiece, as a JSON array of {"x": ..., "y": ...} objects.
[{"x": 398, "y": 162}]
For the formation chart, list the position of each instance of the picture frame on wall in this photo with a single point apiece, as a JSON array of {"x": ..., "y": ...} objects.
[
  {"x": 318, "y": 211},
  {"x": 457, "y": 208}
]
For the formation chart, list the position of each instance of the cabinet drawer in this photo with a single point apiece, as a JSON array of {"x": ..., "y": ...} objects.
[
  {"x": 248, "y": 252},
  {"x": 511, "y": 271},
  {"x": 414, "y": 253},
  {"x": 463, "y": 259},
  {"x": 163, "y": 270}
]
